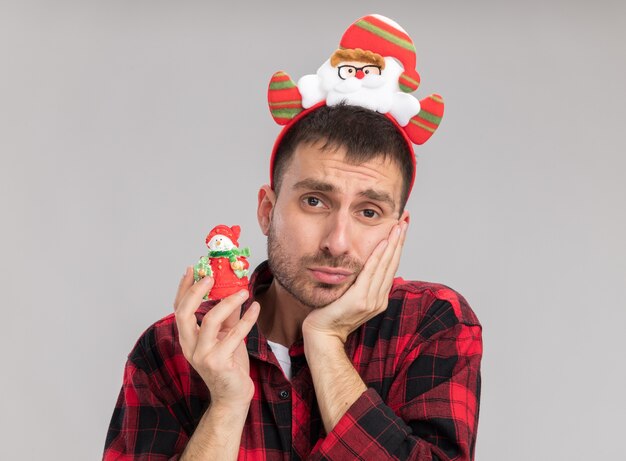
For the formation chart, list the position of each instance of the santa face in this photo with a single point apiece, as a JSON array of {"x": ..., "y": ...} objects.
[
  {"x": 355, "y": 75},
  {"x": 361, "y": 83},
  {"x": 220, "y": 243}
]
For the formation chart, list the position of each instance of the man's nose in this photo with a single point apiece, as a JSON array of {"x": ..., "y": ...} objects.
[{"x": 338, "y": 238}]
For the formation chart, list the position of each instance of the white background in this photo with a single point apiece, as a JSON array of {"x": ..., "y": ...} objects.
[{"x": 128, "y": 129}]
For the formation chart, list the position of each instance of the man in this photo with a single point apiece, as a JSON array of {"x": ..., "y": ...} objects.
[{"x": 330, "y": 357}]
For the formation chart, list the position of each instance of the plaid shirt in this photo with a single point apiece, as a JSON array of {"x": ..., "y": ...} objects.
[{"x": 420, "y": 360}]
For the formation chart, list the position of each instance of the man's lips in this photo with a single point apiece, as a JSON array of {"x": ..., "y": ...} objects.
[{"x": 330, "y": 275}]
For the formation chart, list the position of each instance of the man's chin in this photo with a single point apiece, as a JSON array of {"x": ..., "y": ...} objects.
[{"x": 324, "y": 294}]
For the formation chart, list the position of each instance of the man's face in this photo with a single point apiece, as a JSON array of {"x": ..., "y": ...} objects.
[{"x": 327, "y": 219}]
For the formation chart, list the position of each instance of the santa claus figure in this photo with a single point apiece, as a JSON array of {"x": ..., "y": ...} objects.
[
  {"x": 374, "y": 67},
  {"x": 226, "y": 263}
]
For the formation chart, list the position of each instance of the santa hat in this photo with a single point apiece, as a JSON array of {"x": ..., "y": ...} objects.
[
  {"x": 231, "y": 232},
  {"x": 385, "y": 37}
]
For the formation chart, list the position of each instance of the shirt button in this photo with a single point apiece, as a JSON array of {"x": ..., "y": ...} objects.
[{"x": 284, "y": 394}]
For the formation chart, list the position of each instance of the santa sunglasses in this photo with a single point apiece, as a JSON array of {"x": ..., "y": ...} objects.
[{"x": 346, "y": 71}]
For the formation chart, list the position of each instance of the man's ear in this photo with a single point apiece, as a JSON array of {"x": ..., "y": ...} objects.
[
  {"x": 266, "y": 202},
  {"x": 405, "y": 217}
]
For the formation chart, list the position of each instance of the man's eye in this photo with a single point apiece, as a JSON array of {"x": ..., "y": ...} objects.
[
  {"x": 313, "y": 201},
  {"x": 370, "y": 214}
]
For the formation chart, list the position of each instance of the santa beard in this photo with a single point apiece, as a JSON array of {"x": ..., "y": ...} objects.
[
  {"x": 352, "y": 85},
  {"x": 292, "y": 273}
]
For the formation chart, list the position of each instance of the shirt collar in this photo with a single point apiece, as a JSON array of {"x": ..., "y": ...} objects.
[{"x": 260, "y": 280}]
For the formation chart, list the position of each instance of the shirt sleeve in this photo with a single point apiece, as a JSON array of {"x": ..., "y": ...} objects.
[
  {"x": 147, "y": 422},
  {"x": 143, "y": 425},
  {"x": 431, "y": 411}
]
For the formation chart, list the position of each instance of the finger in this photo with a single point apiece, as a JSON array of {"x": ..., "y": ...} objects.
[
  {"x": 380, "y": 282},
  {"x": 237, "y": 334},
  {"x": 378, "y": 261},
  {"x": 185, "y": 283},
  {"x": 213, "y": 321},
  {"x": 385, "y": 260},
  {"x": 185, "y": 314},
  {"x": 394, "y": 241},
  {"x": 232, "y": 319},
  {"x": 369, "y": 268},
  {"x": 395, "y": 261}
]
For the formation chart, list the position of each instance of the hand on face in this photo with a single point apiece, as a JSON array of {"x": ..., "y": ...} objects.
[
  {"x": 366, "y": 298},
  {"x": 216, "y": 349}
]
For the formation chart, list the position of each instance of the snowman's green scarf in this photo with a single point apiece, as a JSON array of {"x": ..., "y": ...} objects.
[{"x": 230, "y": 254}]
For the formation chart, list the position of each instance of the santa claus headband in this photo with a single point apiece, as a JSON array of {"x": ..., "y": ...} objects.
[{"x": 374, "y": 67}]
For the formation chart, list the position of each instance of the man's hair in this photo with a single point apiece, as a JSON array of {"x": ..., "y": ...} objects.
[{"x": 363, "y": 133}]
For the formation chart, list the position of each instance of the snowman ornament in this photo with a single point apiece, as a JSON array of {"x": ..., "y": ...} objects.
[{"x": 225, "y": 262}]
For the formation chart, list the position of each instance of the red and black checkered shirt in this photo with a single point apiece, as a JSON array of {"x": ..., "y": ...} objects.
[{"x": 420, "y": 360}]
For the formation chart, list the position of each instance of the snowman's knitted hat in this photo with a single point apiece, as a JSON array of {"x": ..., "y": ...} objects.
[{"x": 231, "y": 232}]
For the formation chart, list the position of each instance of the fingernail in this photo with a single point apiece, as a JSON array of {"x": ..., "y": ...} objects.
[
  {"x": 243, "y": 293},
  {"x": 206, "y": 280},
  {"x": 398, "y": 230}
]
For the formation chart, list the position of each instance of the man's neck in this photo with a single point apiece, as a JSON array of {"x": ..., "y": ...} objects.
[{"x": 281, "y": 315}]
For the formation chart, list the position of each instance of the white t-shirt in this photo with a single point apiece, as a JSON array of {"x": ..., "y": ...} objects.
[{"x": 282, "y": 354}]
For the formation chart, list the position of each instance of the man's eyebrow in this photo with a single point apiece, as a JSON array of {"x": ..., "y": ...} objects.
[
  {"x": 314, "y": 184},
  {"x": 379, "y": 196}
]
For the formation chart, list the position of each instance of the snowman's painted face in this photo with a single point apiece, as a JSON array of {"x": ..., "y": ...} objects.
[{"x": 220, "y": 243}]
